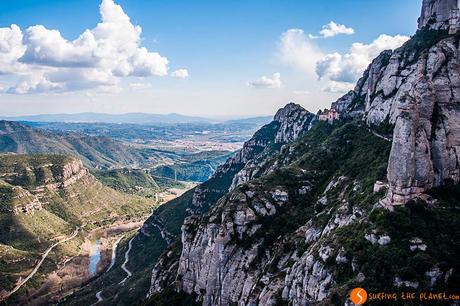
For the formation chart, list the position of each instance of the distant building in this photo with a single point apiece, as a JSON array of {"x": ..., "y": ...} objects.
[{"x": 328, "y": 115}]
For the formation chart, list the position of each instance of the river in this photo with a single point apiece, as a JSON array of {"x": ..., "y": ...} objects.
[{"x": 95, "y": 257}]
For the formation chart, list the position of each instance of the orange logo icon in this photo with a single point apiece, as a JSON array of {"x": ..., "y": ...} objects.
[{"x": 358, "y": 296}]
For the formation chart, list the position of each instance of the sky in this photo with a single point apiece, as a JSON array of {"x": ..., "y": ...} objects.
[{"x": 201, "y": 57}]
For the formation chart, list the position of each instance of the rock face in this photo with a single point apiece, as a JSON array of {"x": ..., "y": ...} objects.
[
  {"x": 416, "y": 88},
  {"x": 71, "y": 172},
  {"x": 32, "y": 182},
  {"x": 426, "y": 137},
  {"x": 439, "y": 14},
  {"x": 293, "y": 120},
  {"x": 289, "y": 123}
]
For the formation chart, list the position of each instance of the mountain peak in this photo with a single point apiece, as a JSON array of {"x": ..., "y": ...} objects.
[{"x": 288, "y": 111}]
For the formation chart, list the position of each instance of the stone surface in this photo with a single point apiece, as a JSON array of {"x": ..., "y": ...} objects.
[
  {"x": 436, "y": 13},
  {"x": 418, "y": 91}
]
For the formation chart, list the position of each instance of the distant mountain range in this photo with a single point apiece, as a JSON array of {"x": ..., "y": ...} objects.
[
  {"x": 97, "y": 152},
  {"x": 137, "y": 118}
]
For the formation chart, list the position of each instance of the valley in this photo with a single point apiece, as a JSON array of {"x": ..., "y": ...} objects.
[
  {"x": 307, "y": 207},
  {"x": 54, "y": 213},
  {"x": 91, "y": 201}
]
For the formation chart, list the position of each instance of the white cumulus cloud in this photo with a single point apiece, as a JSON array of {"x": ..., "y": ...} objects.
[
  {"x": 98, "y": 58},
  {"x": 11, "y": 49},
  {"x": 267, "y": 82},
  {"x": 333, "y": 29},
  {"x": 180, "y": 74},
  {"x": 347, "y": 68}
]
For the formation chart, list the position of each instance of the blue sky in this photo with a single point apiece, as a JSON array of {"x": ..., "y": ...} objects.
[{"x": 233, "y": 51}]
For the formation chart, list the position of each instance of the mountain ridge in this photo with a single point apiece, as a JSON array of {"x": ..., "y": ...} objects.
[{"x": 127, "y": 118}]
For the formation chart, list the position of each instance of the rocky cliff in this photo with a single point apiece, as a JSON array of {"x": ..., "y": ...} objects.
[
  {"x": 439, "y": 14},
  {"x": 34, "y": 176},
  {"x": 250, "y": 162},
  {"x": 416, "y": 91}
]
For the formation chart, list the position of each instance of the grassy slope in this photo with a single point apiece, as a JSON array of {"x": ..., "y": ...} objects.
[{"x": 136, "y": 182}]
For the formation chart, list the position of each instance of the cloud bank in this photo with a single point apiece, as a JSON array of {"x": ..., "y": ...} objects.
[
  {"x": 296, "y": 49},
  {"x": 98, "y": 58}
]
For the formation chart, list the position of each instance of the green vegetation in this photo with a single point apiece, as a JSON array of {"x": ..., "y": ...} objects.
[
  {"x": 129, "y": 181},
  {"x": 197, "y": 167},
  {"x": 31, "y": 170},
  {"x": 324, "y": 153},
  {"x": 33, "y": 217},
  {"x": 437, "y": 227},
  {"x": 198, "y": 171}
]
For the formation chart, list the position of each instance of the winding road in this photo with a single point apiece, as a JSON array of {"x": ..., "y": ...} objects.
[
  {"x": 123, "y": 266},
  {"x": 112, "y": 263},
  {"x": 114, "y": 254},
  {"x": 18, "y": 286}
]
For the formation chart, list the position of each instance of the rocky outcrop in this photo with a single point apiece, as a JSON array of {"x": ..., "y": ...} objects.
[
  {"x": 439, "y": 14},
  {"x": 71, "y": 173},
  {"x": 33, "y": 183},
  {"x": 289, "y": 123},
  {"x": 293, "y": 120},
  {"x": 416, "y": 89},
  {"x": 426, "y": 137}
]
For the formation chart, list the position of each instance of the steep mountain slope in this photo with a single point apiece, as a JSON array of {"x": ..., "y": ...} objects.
[
  {"x": 97, "y": 152},
  {"x": 307, "y": 225},
  {"x": 44, "y": 199},
  {"x": 164, "y": 226},
  {"x": 310, "y": 231}
]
